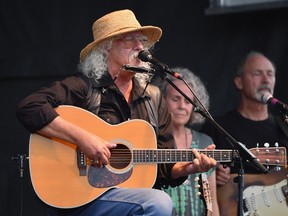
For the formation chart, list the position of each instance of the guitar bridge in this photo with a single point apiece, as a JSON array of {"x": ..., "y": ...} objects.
[{"x": 81, "y": 163}]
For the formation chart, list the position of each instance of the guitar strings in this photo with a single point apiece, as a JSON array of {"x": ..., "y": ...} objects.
[{"x": 148, "y": 155}]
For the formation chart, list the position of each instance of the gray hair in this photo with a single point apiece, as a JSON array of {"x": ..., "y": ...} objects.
[
  {"x": 94, "y": 65},
  {"x": 240, "y": 68},
  {"x": 198, "y": 87}
]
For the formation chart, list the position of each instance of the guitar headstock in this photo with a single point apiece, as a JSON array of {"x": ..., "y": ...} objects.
[
  {"x": 204, "y": 192},
  {"x": 275, "y": 156}
]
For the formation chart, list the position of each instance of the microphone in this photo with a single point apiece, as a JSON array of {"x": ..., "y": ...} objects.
[
  {"x": 267, "y": 98},
  {"x": 138, "y": 69},
  {"x": 145, "y": 55}
]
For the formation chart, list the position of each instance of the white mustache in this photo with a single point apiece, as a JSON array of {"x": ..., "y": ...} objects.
[
  {"x": 266, "y": 87},
  {"x": 133, "y": 55}
]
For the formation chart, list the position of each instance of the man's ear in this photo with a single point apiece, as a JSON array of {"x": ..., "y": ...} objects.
[{"x": 238, "y": 82}]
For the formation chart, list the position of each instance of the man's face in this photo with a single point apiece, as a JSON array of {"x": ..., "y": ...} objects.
[
  {"x": 125, "y": 49},
  {"x": 258, "y": 77}
]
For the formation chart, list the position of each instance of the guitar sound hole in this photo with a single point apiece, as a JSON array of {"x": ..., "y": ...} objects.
[{"x": 120, "y": 157}]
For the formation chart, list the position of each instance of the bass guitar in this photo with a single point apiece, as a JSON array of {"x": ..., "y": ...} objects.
[{"x": 63, "y": 177}]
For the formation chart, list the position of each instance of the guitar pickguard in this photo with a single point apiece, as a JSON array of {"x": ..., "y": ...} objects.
[
  {"x": 256, "y": 185},
  {"x": 266, "y": 200},
  {"x": 101, "y": 177}
]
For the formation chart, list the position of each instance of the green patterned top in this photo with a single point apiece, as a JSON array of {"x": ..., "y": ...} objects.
[{"x": 186, "y": 202}]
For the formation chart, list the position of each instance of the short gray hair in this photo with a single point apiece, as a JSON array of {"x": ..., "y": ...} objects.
[{"x": 240, "y": 68}]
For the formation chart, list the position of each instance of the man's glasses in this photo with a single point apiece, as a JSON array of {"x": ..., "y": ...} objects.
[{"x": 130, "y": 41}]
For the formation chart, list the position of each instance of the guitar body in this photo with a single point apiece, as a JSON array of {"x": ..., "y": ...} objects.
[
  {"x": 227, "y": 195},
  {"x": 54, "y": 164},
  {"x": 266, "y": 200}
]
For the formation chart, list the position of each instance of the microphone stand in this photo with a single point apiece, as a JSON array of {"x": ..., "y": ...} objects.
[
  {"x": 243, "y": 152},
  {"x": 285, "y": 119}
]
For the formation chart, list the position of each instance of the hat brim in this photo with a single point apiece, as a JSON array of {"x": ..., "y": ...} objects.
[{"x": 152, "y": 32}]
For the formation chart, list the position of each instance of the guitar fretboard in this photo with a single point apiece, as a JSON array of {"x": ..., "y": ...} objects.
[{"x": 142, "y": 156}]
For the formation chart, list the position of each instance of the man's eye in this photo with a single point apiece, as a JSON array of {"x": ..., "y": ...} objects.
[{"x": 128, "y": 38}]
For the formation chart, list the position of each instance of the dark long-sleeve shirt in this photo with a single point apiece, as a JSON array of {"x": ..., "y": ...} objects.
[{"x": 38, "y": 110}]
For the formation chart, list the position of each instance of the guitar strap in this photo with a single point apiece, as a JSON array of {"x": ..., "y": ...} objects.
[
  {"x": 284, "y": 127},
  {"x": 152, "y": 115},
  {"x": 152, "y": 103},
  {"x": 93, "y": 100}
]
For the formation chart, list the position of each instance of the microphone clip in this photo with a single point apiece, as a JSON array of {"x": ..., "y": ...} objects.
[
  {"x": 145, "y": 56},
  {"x": 138, "y": 69}
]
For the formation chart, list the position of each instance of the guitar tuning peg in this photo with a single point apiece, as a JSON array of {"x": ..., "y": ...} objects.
[
  {"x": 277, "y": 145},
  {"x": 198, "y": 194},
  {"x": 266, "y": 145},
  {"x": 277, "y": 168}
]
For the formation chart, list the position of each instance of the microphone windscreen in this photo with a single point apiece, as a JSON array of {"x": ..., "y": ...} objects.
[
  {"x": 264, "y": 97},
  {"x": 143, "y": 55}
]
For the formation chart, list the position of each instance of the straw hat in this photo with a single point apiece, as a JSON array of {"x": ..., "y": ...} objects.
[{"x": 116, "y": 23}]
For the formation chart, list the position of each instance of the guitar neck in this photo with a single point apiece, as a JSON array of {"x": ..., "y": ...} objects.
[
  {"x": 267, "y": 156},
  {"x": 141, "y": 156}
]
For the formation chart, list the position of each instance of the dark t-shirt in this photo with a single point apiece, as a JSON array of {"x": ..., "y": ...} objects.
[{"x": 250, "y": 133}]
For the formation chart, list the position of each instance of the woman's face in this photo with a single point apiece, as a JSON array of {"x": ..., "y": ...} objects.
[{"x": 179, "y": 107}]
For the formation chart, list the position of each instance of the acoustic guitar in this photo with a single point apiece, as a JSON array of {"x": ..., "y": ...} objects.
[{"x": 63, "y": 177}]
